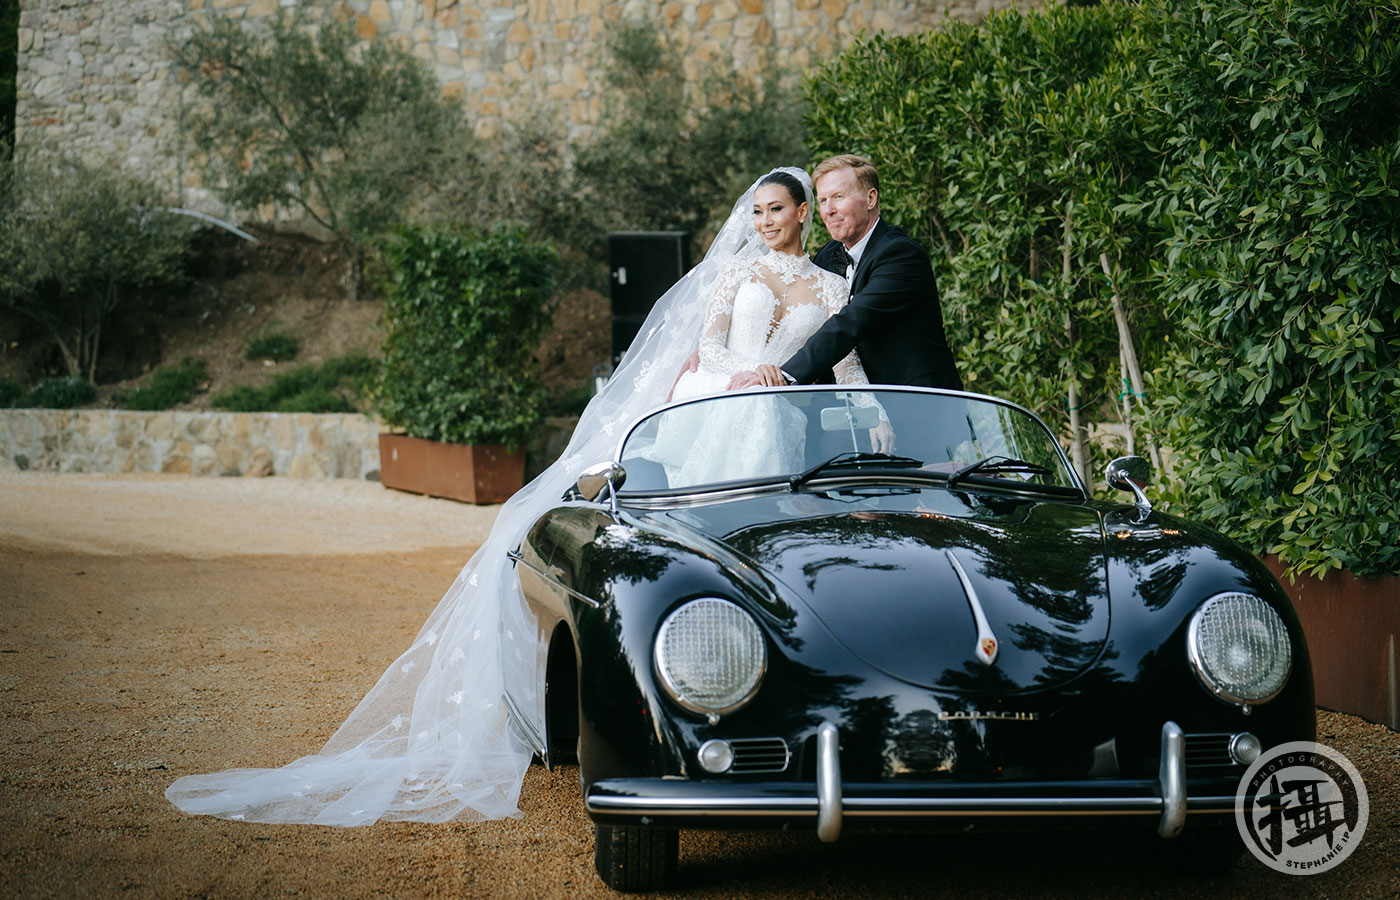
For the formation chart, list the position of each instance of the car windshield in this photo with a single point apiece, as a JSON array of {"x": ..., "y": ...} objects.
[{"x": 801, "y": 436}]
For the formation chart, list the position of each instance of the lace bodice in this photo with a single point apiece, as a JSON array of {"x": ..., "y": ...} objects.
[{"x": 765, "y": 308}]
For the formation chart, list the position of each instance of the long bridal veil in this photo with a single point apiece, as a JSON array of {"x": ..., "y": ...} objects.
[{"x": 432, "y": 740}]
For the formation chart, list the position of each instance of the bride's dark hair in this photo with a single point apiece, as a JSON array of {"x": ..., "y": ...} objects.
[{"x": 793, "y": 186}]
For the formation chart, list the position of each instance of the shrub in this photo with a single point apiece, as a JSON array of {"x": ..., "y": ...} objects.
[
  {"x": 168, "y": 386},
  {"x": 276, "y": 346},
  {"x": 61, "y": 393},
  {"x": 330, "y": 387},
  {"x": 464, "y": 310},
  {"x": 10, "y": 393}
]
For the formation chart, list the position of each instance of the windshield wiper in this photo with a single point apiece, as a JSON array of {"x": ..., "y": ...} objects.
[
  {"x": 990, "y": 464},
  {"x": 854, "y": 458}
]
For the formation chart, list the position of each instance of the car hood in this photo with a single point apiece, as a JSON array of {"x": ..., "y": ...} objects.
[{"x": 876, "y": 569}]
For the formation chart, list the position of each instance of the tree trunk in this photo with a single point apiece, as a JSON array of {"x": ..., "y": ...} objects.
[
  {"x": 354, "y": 272},
  {"x": 1076, "y": 428},
  {"x": 1132, "y": 373}
]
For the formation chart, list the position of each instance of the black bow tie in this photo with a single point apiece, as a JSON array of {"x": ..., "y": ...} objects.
[{"x": 841, "y": 260}]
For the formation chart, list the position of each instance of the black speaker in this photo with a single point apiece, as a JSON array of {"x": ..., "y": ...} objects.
[{"x": 644, "y": 266}]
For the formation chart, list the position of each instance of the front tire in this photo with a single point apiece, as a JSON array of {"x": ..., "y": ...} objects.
[{"x": 629, "y": 858}]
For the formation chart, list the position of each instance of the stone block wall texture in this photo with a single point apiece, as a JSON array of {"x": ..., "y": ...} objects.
[
  {"x": 95, "y": 77},
  {"x": 299, "y": 445}
]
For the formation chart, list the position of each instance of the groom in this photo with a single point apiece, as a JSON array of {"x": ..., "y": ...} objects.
[{"x": 893, "y": 319}]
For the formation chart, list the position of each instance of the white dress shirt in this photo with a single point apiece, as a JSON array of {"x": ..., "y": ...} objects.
[{"x": 857, "y": 251}]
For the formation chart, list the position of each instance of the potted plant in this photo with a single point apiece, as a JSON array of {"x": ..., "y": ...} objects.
[{"x": 459, "y": 388}]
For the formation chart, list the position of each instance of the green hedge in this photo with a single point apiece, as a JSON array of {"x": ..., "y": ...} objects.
[
  {"x": 1280, "y": 267},
  {"x": 1234, "y": 160},
  {"x": 465, "y": 309}
]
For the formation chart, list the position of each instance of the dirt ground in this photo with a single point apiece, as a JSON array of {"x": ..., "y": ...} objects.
[{"x": 155, "y": 626}]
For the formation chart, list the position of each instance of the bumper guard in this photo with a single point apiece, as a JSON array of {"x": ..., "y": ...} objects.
[{"x": 833, "y": 800}]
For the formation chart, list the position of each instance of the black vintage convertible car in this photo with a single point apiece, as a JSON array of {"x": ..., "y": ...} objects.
[{"x": 954, "y": 635}]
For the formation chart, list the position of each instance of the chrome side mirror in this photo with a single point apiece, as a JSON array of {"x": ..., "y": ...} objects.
[
  {"x": 1131, "y": 473},
  {"x": 598, "y": 476}
]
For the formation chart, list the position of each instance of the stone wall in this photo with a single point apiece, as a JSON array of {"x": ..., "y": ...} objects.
[
  {"x": 95, "y": 77},
  {"x": 300, "y": 445}
]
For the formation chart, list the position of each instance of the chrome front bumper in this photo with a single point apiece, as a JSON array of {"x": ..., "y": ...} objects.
[{"x": 831, "y": 801}]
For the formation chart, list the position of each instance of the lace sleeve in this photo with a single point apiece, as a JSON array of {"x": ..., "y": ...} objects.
[{"x": 715, "y": 354}]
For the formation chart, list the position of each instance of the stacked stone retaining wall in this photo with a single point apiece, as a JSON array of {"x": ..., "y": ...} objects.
[
  {"x": 299, "y": 445},
  {"x": 95, "y": 77}
]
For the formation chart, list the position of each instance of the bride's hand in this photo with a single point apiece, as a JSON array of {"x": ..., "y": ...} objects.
[
  {"x": 743, "y": 380},
  {"x": 691, "y": 363}
]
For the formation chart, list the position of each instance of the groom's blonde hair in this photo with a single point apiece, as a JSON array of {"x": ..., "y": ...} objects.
[{"x": 864, "y": 170}]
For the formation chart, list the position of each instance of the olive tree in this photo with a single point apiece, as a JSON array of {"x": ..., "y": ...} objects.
[
  {"x": 75, "y": 238},
  {"x": 306, "y": 117}
]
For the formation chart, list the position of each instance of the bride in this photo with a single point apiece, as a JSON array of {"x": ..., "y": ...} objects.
[
  {"x": 432, "y": 740},
  {"x": 764, "y": 307}
]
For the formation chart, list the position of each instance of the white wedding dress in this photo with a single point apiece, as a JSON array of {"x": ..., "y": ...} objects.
[
  {"x": 763, "y": 310},
  {"x": 432, "y": 741}
]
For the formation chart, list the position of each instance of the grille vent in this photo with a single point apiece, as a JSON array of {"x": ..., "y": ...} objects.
[
  {"x": 1208, "y": 751},
  {"x": 753, "y": 755}
]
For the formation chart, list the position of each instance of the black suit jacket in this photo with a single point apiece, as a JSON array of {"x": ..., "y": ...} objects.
[{"x": 893, "y": 319}]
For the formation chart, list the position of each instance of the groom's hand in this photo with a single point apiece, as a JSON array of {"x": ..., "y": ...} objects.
[
  {"x": 771, "y": 375},
  {"x": 743, "y": 380},
  {"x": 882, "y": 438}
]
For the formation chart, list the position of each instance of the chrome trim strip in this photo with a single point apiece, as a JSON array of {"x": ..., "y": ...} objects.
[
  {"x": 828, "y": 783},
  {"x": 528, "y": 732},
  {"x": 1171, "y": 774},
  {"x": 911, "y": 807},
  {"x": 1000, "y": 806},
  {"x": 553, "y": 579},
  {"x": 699, "y": 806},
  {"x": 987, "y": 646}
]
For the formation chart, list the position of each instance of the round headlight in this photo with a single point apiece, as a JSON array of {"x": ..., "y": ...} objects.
[
  {"x": 1239, "y": 648},
  {"x": 710, "y": 656}
]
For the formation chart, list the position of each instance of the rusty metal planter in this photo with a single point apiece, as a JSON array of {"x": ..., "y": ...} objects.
[
  {"x": 1353, "y": 627},
  {"x": 472, "y": 473}
]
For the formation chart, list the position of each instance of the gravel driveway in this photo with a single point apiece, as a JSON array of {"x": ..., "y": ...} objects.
[{"x": 154, "y": 626}]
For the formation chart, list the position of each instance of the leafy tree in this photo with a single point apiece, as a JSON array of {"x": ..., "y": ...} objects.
[
  {"x": 74, "y": 239},
  {"x": 670, "y": 154},
  {"x": 304, "y": 117}
]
